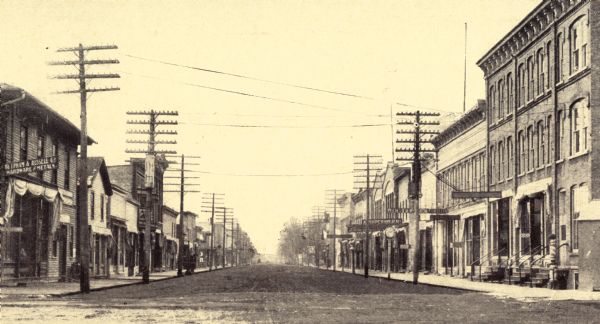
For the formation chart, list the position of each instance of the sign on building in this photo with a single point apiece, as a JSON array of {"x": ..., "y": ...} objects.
[
  {"x": 149, "y": 171},
  {"x": 47, "y": 163}
]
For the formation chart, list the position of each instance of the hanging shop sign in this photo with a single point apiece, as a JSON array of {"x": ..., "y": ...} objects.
[
  {"x": 476, "y": 194},
  {"x": 377, "y": 224},
  {"x": 47, "y": 163},
  {"x": 443, "y": 217},
  {"x": 339, "y": 236},
  {"x": 421, "y": 210},
  {"x": 390, "y": 232},
  {"x": 149, "y": 171}
]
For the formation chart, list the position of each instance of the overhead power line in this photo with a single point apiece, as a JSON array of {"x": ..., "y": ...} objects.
[
  {"x": 249, "y": 77},
  {"x": 247, "y": 94},
  {"x": 284, "y": 126},
  {"x": 275, "y": 175}
]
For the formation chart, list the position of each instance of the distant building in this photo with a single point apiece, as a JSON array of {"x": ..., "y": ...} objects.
[{"x": 169, "y": 238}]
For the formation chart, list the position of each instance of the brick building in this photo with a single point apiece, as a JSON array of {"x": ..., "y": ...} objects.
[
  {"x": 459, "y": 236},
  {"x": 130, "y": 178},
  {"x": 540, "y": 85},
  {"x": 38, "y": 149}
]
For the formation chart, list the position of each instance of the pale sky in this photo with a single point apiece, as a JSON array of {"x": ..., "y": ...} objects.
[{"x": 393, "y": 51}]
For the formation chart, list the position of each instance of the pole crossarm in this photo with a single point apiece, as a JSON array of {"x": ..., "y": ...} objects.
[
  {"x": 87, "y": 48},
  {"x": 86, "y": 62}
]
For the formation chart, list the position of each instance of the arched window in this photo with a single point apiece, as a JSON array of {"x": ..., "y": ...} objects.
[
  {"x": 579, "y": 127},
  {"x": 492, "y": 104},
  {"x": 501, "y": 98},
  {"x": 541, "y": 145},
  {"x": 493, "y": 164},
  {"x": 510, "y": 94},
  {"x": 549, "y": 64},
  {"x": 522, "y": 83},
  {"x": 501, "y": 161},
  {"x": 578, "y": 35},
  {"x": 549, "y": 157},
  {"x": 531, "y": 148},
  {"x": 560, "y": 134},
  {"x": 509, "y": 157},
  {"x": 541, "y": 72},
  {"x": 530, "y": 78},
  {"x": 522, "y": 151}
]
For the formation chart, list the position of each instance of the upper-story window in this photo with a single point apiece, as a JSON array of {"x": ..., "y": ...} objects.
[
  {"x": 522, "y": 151},
  {"x": 493, "y": 164},
  {"x": 541, "y": 72},
  {"x": 579, "y": 126},
  {"x": 492, "y": 103},
  {"x": 23, "y": 142},
  {"x": 509, "y": 157},
  {"x": 501, "y": 161},
  {"x": 530, "y": 78},
  {"x": 501, "y": 98},
  {"x": 560, "y": 40},
  {"x": 510, "y": 93},
  {"x": 102, "y": 207},
  {"x": 541, "y": 145},
  {"x": 579, "y": 46},
  {"x": 92, "y": 204},
  {"x": 531, "y": 146},
  {"x": 549, "y": 62},
  {"x": 522, "y": 83},
  {"x": 549, "y": 128},
  {"x": 41, "y": 150},
  {"x": 67, "y": 168},
  {"x": 54, "y": 178}
]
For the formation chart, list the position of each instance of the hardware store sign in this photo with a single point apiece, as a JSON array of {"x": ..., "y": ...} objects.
[{"x": 14, "y": 168}]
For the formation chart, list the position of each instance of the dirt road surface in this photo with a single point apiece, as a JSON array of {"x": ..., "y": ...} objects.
[{"x": 288, "y": 294}]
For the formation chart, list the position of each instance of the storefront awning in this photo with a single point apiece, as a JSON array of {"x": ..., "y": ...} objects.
[
  {"x": 64, "y": 218},
  {"x": 101, "y": 230}
]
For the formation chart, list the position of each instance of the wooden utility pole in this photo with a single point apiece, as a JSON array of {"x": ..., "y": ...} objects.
[
  {"x": 332, "y": 200},
  {"x": 208, "y": 206},
  {"x": 149, "y": 168},
  {"x": 182, "y": 191},
  {"x": 364, "y": 166},
  {"x": 415, "y": 186},
  {"x": 83, "y": 248}
]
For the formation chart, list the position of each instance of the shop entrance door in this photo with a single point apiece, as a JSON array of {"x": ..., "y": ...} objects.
[{"x": 62, "y": 252}]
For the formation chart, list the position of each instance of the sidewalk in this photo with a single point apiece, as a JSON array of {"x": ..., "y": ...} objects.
[
  {"x": 41, "y": 289},
  {"x": 496, "y": 289}
]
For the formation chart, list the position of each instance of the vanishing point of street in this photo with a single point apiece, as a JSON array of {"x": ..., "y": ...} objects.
[{"x": 268, "y": 293}]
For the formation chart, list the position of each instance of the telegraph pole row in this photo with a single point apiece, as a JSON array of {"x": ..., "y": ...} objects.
[
  {"x": 331, "y": 197},
  {"x": 83, "y": 249},
  {"x": 182, "y": 191},
  {"x": 149, "y": 168},
  {"x": 208, "y": 205},
  {"x": 365, "y": 169},
  {"x": 317, "y": 212},
  {"x": 223, "y": 212},
  {"x": 415, "y": 187}
]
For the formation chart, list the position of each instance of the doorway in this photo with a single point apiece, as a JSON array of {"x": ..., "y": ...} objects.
[{"x": 62, "y": 253}]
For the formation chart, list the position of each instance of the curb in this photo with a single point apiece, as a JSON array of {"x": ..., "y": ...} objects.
[
  {"x": 72, "y": 293},
  {"x": 409, "y": 282}
]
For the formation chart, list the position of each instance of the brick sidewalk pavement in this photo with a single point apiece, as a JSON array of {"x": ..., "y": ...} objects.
[{"x": 496, "y": 289}]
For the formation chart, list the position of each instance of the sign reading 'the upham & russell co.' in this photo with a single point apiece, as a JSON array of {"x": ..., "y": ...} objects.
[{"x": 47, "y": 163}]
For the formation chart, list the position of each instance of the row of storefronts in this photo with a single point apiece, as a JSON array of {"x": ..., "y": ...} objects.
[{"x": 38, "y": 202}]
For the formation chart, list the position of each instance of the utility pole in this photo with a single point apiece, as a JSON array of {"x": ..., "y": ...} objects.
[
  {"x": 364, "y": 167},
  {"x": 83, "y": 248},
  {"x": 317, "y": 210},
  {"x": 415, "y": 186},
  {"x": 149, "y": 169},
  {"x": 232, "y": 236},
  {"x": 208, "y": 206},
  {"x": 182, "y": 191},
  {"x": 224, "y": 211},
  {"x": 237, "y": 245},
  {"x": 332, "y": 196}
]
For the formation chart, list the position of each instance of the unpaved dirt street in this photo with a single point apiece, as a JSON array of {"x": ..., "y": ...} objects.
[{"x": 288, "y": 294}]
